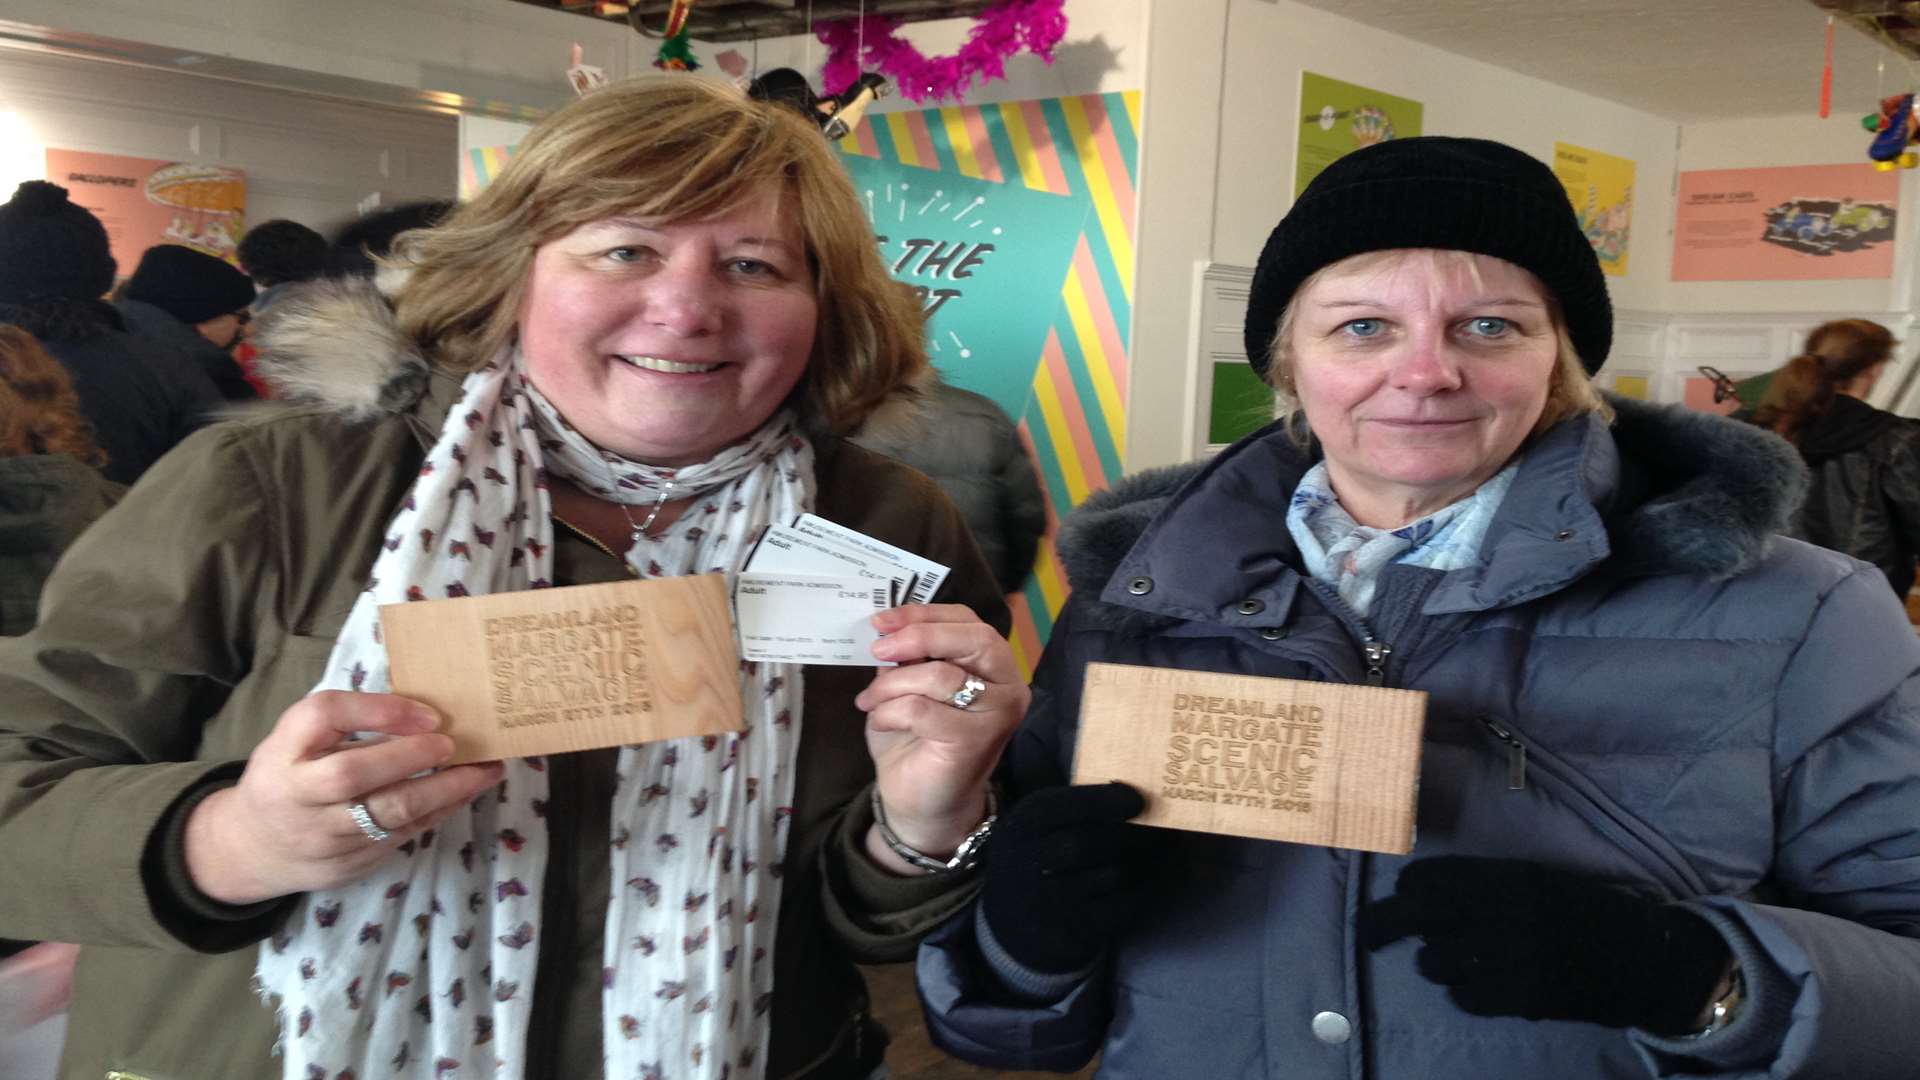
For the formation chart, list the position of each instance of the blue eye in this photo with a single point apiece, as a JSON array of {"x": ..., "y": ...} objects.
[
  {"x": 750, "y": 267},
  {"x": 1364, "y": 328},
  {"x": 1488, "y": 326},
  {"x": 623, "y": 254}
]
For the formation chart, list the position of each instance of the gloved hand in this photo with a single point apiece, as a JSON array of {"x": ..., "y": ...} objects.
[
  {"x": 1510, "y": 938},
  {"x": 1062, "y": 879}
]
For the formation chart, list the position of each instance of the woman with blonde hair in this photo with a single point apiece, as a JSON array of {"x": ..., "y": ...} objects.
[
  {"x": 626, "y": 358},
  {"x": 50, "y": 483},
  {"x": 1864, "y": 494},
  {"x": 1669, "y": 763}
]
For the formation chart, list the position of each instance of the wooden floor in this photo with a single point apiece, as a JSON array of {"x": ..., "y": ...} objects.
[{"x": 911, "y": 1056}]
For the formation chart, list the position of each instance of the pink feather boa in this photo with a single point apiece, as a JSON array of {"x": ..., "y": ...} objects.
[{"x": 999, "y": 32}]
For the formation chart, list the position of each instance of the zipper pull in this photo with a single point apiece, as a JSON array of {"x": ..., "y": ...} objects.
[
  {"x": 1377, "y": 653},
  {"x": 1516, "y": 753}
]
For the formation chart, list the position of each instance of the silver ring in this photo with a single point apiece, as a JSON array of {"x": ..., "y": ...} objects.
[
  {"x": 963, "y": 697},
  {"x": 364, "y": 818}
]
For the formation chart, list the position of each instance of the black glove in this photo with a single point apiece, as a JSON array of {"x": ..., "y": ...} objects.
[
  {"x": 1509, "y": 938},
  {"x": 1061, "y": 875}
]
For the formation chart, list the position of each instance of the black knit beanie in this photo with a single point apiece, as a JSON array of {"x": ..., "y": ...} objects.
[
  {"x": 51, "y": 248},
  {"x": 190, "y": 286},
  {"x": 1435, "y": 192}
]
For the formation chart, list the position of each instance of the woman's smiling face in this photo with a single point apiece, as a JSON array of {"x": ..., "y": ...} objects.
[
  {"x": 1421, "y": 373},
  {"x": 665, "y": 343}
]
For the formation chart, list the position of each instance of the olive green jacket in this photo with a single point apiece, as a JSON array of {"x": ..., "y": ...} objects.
[
  {"x": 45, "y": 501},
  {"x": 194, "y": 613}
]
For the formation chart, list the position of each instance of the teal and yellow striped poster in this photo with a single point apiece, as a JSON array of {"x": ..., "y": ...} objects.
[{"x": 1015, "y": 221}]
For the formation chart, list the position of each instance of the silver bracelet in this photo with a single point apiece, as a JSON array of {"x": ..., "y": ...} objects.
[{"x": 964, "y": 857}]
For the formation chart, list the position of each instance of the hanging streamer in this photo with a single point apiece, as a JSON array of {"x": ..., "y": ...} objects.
[
  {"x": 1826, "y": 76},
  {"x": 999, "y": 33},
  {"x": 676, "y": 48}
]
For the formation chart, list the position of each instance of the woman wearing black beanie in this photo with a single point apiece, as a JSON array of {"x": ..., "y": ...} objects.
[{"x": 1670, "y": 762}]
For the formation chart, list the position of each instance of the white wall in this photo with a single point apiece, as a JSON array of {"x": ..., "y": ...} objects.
[
  {"x": 306, "y": 158},
  {"x": 1219, "y": 164},
  {"x": 493, "y": 54}
]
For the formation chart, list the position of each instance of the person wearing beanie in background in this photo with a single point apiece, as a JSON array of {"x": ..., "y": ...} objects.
[
  {"x": 277, "y": 255},
  {"x": 196, "y": 305},
  {"x": 1670, "y": 765},
  {"x": 55, "y": 266}
]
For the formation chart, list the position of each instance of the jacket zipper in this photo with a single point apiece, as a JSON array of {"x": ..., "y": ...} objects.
[
  {"x": 1375, "y": 652},
  {"x": 1516, "y": 753},
  {"x": 1667, "y": 867}
]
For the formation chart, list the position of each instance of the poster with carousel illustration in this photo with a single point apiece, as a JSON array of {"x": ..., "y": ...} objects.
[
  {"x": 144, "y": 202},
  {"x": 1337, "y": 118},
  {"x": 1600, "y": 186}
]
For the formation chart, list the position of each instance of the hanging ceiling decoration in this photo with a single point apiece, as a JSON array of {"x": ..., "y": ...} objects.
[
  {"x": 744, "y": 20},
  {"x": 1896, "y": 22}
]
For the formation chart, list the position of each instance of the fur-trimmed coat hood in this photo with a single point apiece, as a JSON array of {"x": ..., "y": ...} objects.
[
  {"x": 1662, "y": 490},
  {"x": 336, "y": 346}
]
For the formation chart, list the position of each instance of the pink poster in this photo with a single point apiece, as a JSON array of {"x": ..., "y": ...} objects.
[
  {"x": 144, "y": 202},
  {"x": 1800, "y": 223}
]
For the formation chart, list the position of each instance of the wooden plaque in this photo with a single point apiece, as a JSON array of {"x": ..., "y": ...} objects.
[
  {"x": 1274, "y": 759},
  {"x": 546, "y": 671}
]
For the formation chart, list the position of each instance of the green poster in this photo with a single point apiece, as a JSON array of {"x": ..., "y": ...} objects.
[{"x": 1337, "y": 118}]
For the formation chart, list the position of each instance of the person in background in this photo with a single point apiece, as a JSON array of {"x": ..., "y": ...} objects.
[
  {"x": 279, "y": 253},
  {"x": 276, "y": 255},
  {"x": 631, "y": 353},
  {"x": 1670, "y": 762},
  {"x": 1864, "y": 498},
  {"x": 971, "y": 449},
  {"x": 195, "y": 304},
  {"x": 356, "y": 247},
  {"x": 51, "y": 487},
  {"x": 55, "y": 266}
]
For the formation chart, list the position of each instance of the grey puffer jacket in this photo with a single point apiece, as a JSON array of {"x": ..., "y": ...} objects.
[
  {"x": 1709, "y": 714},
  {"x": 1865, "y": 495}
]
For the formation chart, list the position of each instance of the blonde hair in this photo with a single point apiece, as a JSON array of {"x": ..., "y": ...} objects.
[
  {"x": 1570, "y": 390},
  {"x": 668, "y": 148}
]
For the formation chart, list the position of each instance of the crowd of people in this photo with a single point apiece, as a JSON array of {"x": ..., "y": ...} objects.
[{"x": 1669, "y": 771}]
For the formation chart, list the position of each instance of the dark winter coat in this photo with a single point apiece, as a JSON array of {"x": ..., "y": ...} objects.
[
  {"x": 167, "y": 332},
  {"x": 140, "y": 398},
  {"x": 971, "y": 449},
  {"x": 1708, "y": 713},
  {"x": 46, "y": 500},
  {"x": 1864, "y": 498}
]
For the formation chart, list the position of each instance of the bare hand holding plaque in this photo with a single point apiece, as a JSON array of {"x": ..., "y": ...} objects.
[
  {"x": 551, "y": 670},
  {"x": 1275, "y": 759}
]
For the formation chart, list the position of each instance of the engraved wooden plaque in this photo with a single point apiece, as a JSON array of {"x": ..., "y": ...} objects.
[
  {"x": 1275, "y": 759},
  {"x": 546, "y": 671}
]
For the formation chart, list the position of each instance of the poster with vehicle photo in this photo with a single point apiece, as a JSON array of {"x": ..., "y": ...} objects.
[
  {"x": 1798, "y": 223},
  {"x": 1337, "y": 118}
]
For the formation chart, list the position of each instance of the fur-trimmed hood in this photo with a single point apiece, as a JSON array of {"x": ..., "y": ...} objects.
[
  {"x": 1662, "y": 490},
  {"x": 334, "y": 345}
]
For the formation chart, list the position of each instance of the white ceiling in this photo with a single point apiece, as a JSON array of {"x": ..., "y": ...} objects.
[{"x": 1682, "y": 59}]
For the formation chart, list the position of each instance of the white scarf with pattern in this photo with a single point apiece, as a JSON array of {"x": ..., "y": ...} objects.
[{"x": 426, "y": 968}]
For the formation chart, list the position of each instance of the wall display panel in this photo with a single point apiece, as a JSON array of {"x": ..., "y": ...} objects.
[
  {"x": 1600, "y": 187},
  {"x": 1796, "y": 223},
  {"x": 1015, "y": 222},
  {"x": 1337, "y": 118},
  {"x": 144, "y": 202}
]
